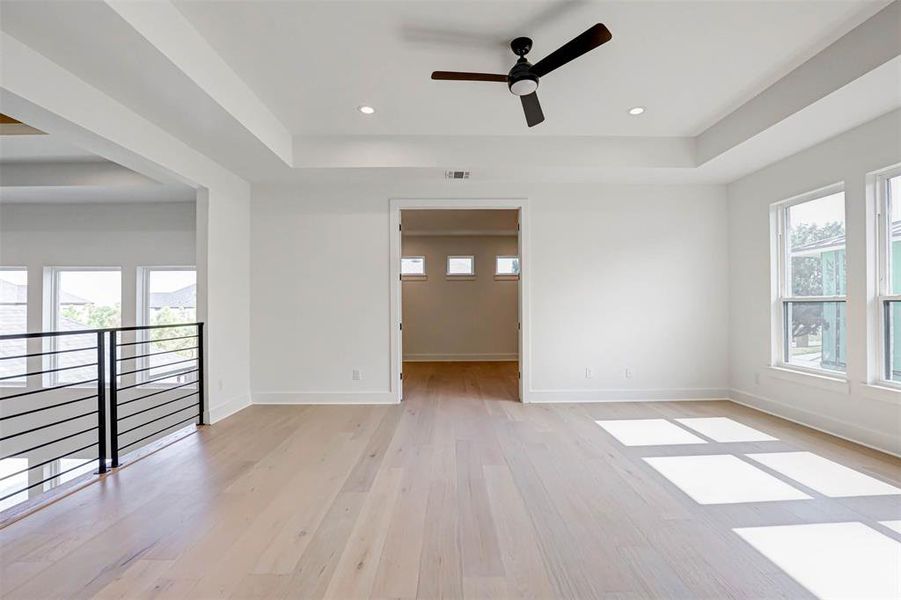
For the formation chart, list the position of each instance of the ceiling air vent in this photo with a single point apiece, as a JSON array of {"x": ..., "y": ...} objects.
[{"x": 456, "y": 175}]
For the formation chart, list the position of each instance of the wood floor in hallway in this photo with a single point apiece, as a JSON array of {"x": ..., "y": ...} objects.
[{"x": 459, "y": 492}]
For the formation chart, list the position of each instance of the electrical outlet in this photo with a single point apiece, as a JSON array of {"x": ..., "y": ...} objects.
[
  {"x": 628, "y": 373},
  {"x": 356, "y": 375},
  {"x": 756, "y": 378},
  {"x": 219, "y": 384},
  {"x": 588, "y": 373}
]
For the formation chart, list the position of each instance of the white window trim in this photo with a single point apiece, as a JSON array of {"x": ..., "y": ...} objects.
[
  {"x": 414, "y": 276},
  {"x": 143, "y": 314},
  {"x": 19, "y": 383},
  {"x": 884, "y": 265},
  {"x": 460, "y": 276},
  {"x": 779, "y": 211},
  {"x": 53, "y": 314},
  {"x": 505, "y": 276}
]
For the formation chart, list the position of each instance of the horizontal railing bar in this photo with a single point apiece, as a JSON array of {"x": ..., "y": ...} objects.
[
  {"x": 34, "y": 410},
  {"x": 181, "y": 337},
  {"x": 178, "y": 362},
  {"x": 155, "y": 407},
  {"x": 167, "y": 376},
  {"x": 156, "y": 353},
  {"x": 47, "y": 462},
  {"x": 39, "y": 446},
  {"x": 191, "y": 418},
  {"x": 55, "y": 423},
  {"x": 169, "y": 389},
  {"x": 48, "y": 389},
  {"x": 60, "y": 474},
  {"x": 41, "y": 334},
  {"x": 148, "y": 327},
  {"x": 175, "y": 412},
  {"x": 48, "y": 353},
  {"x": 57, "y": 370}
]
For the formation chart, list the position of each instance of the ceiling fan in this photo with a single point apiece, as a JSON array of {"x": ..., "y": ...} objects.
[{"x": 524, "y": 76}]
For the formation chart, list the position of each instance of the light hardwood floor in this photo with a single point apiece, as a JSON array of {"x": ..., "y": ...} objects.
[{"x": 460, "y": 492}]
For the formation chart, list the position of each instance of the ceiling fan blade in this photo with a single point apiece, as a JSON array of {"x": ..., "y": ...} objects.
[
  {"x": 532, "y": 108},
  {"x": 573, "y": 49},
  {"x": 458, "y": 76}
]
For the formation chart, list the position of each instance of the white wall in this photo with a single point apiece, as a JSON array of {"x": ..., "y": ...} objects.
[
  {"x": 621, "y": 277},
  {"x": 854, "y": 409},
  {"x": 460, "y": 319}
]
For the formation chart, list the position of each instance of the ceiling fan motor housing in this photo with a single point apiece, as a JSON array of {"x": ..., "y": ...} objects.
[{"x": 521, "y": 80}]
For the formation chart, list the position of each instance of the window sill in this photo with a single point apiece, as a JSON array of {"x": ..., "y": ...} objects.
[
  {"x": 414, "y": 277},
  {"x": 460, "y": 277},
  {"x": 822, "y": 381},
  {"x": 506, "y": 277},
  {"x": 882, "y": 391}
]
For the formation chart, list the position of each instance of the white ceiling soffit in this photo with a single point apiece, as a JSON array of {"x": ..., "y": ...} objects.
[
  {"x": 41, "y": 148},
  {"x": 89, "y": 194},
  {"x": 726, "y": 84}
]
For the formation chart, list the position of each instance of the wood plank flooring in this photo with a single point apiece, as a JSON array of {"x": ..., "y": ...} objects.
[{"x": 460, "y": 492}]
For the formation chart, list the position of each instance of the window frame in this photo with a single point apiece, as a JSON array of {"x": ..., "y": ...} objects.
[
  {"x": 143, "y": 317},
  {"x": 783, "y": 295},
  {"x": 52, "y": 313},
  {"x": 884, "y": 294},
  {"x": 470, "y": 275},
  {"x": 19, "y": 382},
  {"x": 413, "y": 276},
  {"x": 505, "y": 276}
]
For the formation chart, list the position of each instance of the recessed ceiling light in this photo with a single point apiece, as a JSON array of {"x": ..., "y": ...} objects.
[
  {"x": 366, "y": 110},
  {"x": 636, "y": 110}
]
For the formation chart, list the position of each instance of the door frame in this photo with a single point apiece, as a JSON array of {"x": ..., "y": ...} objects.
[{"x": 396, "y": 205}]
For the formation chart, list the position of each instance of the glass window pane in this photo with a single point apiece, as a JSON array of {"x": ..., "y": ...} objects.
[
  {"x": 171, "y": 299},
  {"x": 460, "y": 265},
  {"x": 816, "y": 229},
  {"x": 816, "y": 336},
  {"x": 412, "y": 265},
  {"x": 507, "y": 265},
  {"x": 13, "y": 319},
  {"x": 893, "y": 189},
  {"x": 84, "y": 300},
  {"x": 893, "y": 352},
  {"x": 11, "y": 481}
]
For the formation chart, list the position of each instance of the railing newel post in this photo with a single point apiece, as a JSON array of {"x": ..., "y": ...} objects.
[
  {"x": 113, "y": 399},
  {"x": 101, "y": 404},
  {"x": 201, "y": 376}
]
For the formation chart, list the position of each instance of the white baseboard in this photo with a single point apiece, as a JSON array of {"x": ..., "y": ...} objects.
[
  {"x": 651, "y": 395},
  {"x": 228, "y": 408},
  {"x": 460, "y": 357},
  {"x": 864, "y": 436},
  {"x": 324, "y": 398}
]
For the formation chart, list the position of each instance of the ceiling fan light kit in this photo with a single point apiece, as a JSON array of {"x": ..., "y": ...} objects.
[{"x": 523, "y": 78}]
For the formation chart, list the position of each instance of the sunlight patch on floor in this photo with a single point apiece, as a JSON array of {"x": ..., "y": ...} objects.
[
  {"x": 823, "y": 475},
  {"x": 833, "y": 560},
  {"x": 724, "y": 429},
  {"x": 723, "y": 479},
  {"x": 649, "y": 432}
]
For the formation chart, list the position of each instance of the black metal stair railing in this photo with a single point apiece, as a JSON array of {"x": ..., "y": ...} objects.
[{"x": 74, "y": 402}]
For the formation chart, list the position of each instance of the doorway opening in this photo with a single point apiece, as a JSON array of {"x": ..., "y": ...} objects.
[{"x": 459, "y": 301}]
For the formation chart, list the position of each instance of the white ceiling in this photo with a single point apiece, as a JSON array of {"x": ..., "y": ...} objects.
[
  {"x": 689, "y": 62},
  {"x": 41, "y": 148},
  {"x": 267, "y": 90}
]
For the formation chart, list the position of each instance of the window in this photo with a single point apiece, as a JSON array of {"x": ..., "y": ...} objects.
[
  {"x": 811, "y": 235},
  {"x": 83, "y": 299},
  {"x": 13, "y": 319},
  {"x": 461, "y": 266},
  {"x": 169, "y": 297},
  {"x": 506, "y": 266},
  {"x": 412, "y": 267},
  {"x": 889, "y": 210}
]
